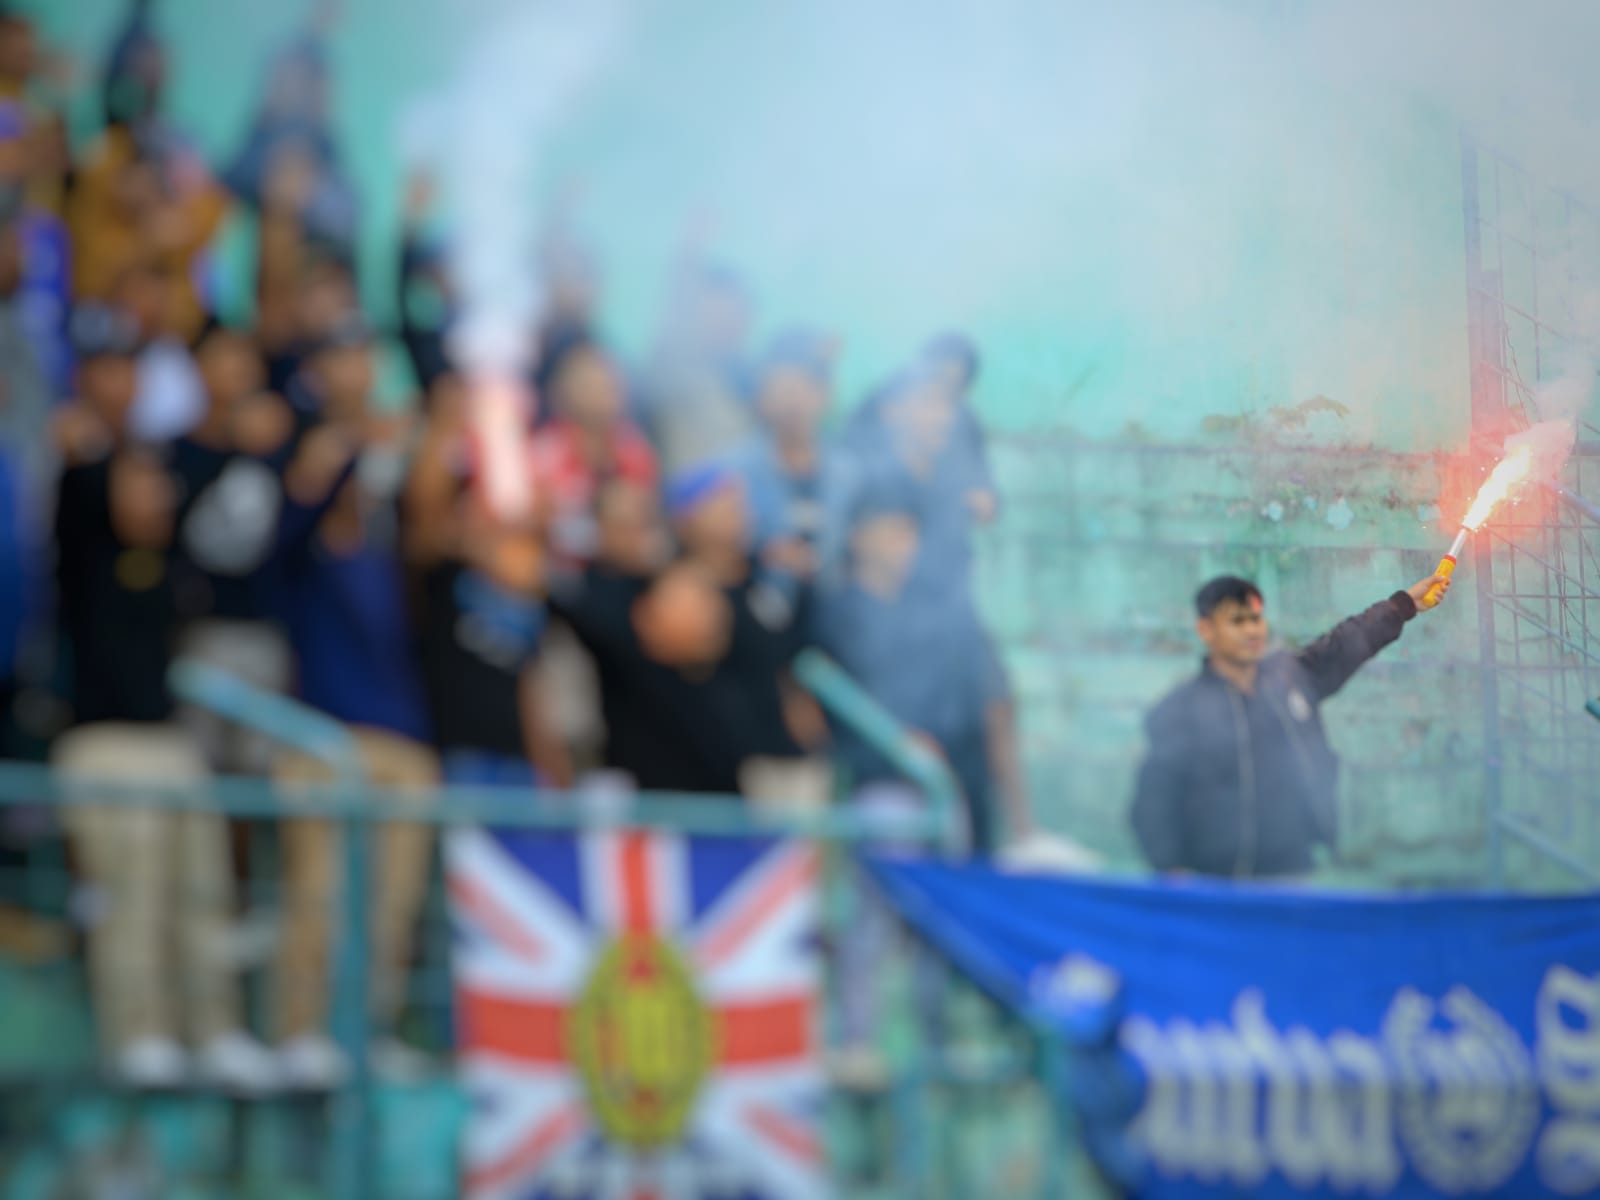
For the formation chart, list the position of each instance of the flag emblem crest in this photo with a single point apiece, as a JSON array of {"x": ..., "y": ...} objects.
[{"x": 641, "y": 1038}]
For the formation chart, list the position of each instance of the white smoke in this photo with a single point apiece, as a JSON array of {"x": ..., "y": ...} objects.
[
  {"x": 1549, "y": 444},
  {"x": 1229, "y": 173},
  {"x": 523, "y": 73}
]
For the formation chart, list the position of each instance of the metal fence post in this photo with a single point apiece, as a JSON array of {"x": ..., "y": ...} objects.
[
  {"x": 1487, "y": 403},
  {"x": 1053, "y": 1069},
  {"x": 354, "y": 1142}
]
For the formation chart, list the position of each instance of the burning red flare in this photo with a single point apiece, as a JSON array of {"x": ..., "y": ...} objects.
[
  {"x": 500, "y": 409},
  {"x": 1509, "y": 472}
]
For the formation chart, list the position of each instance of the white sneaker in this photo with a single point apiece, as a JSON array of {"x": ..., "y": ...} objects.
[
  {"x": 237, "y": 1061},
  {"x": 312, "y": 1062},
  {"x": 152, "y": 1062}
]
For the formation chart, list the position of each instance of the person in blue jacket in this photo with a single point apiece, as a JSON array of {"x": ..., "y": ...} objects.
[{"x": 1239, "y": 779}]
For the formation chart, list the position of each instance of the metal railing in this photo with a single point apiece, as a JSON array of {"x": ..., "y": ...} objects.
[{"x": 357, "y": 807}]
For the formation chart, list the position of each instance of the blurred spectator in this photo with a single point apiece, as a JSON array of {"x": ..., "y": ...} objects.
[
  {"x": 922, "y": 429},
  {"x": 917, "y": 646},
  {"x": 588, "y": 441},
  {"x": 426, "y": 299},
  {"x": 603, "y": 606},
  {"x": 171, "y": 396},
  {"x": 135, "y": 73},
  {"x": 131, "y": 205},
  {"x": 924, "y": 423},
  {"x": 19, "y": 56},
  {"x": 689, "y": 685},
  {"x": 481, "y": 615},
  {"x": 292, "y": 136},
  {"x": 33, "y": 163},
  {"x": 139, "y": 194},
  {"x": 697, "y": 404},
  {"x": 228, "y": 472},
  {"x": 43, "y": 289},
  {"x": 348, "y": 622},
  {"x": 26, "y": 400},
  {"x": 20, "y": 560},
  {"x": 119, "y": 632},
  {"x": 300, "y": 302},
  {"x": 161, "y": 879},
  {"x": 767, "y": 716},
  {"x": 31, "y": 82},
  {"x": 795, "y": 481},
  {"x": 25, "y": 473},
  {"x": 631, "y": 547},
  {"x": 13, "y": 164}
]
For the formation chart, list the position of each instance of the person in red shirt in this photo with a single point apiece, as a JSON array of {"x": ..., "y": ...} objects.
[{"x": 588, "y": 442}]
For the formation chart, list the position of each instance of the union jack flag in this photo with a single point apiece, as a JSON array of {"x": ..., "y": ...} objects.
[{"x": 637, "y": 1016}]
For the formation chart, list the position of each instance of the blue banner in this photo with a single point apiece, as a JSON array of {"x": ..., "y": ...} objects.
[{"x": 1227, "y": 1041}]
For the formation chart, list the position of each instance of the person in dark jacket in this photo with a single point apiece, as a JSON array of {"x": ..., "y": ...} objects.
[
  {"x": 1239, "y": 779},
  {"x": 163, "y": 875},
  {"x": 293, "y": 131}
]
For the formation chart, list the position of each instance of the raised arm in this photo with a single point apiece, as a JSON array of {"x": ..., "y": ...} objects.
[{"x": 1338, "y": 654}]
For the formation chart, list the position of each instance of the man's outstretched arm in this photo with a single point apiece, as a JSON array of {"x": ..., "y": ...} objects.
[{"x": 1338, "y": 654}]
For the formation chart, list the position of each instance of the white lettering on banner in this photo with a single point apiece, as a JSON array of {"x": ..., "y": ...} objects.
[
  {"x": 1569, "y": 1054},
  {"x": 1569, "y": 1156},
  {"x": 1325, "y": 1114},
  {"x": 1448, "y": 1086},
  {"x": 1468, "y": 1102},
  {"x": 1365, "y": 1101},
  {"x": 1569, "y": 1065}
]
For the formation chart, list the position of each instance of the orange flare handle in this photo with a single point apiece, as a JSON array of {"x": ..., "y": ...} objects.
[{"x": 1447, "y": 568}]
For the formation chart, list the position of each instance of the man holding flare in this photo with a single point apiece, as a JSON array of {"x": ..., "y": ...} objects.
[{"x": 1239, "y": 780}]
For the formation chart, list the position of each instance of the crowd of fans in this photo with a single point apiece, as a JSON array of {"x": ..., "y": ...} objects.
[{"x": 176, "y": 484}]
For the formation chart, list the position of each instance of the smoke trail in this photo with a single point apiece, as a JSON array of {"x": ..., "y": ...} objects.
[
  {"x": 521, "y": 76},
  {"x": 1550, "y": 443},
  {"x": 518, "y": 79}
]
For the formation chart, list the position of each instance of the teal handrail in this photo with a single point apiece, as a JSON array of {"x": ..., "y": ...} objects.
[
  {"x": 461, "y": 804},
  {"x": 850, "y": 703},
  {"x": 283, "y": 720}
]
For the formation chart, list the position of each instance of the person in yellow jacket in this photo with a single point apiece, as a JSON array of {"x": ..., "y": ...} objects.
[
  {"x": 131, "y": 205},
  {"x": 140, "y": 197}
]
